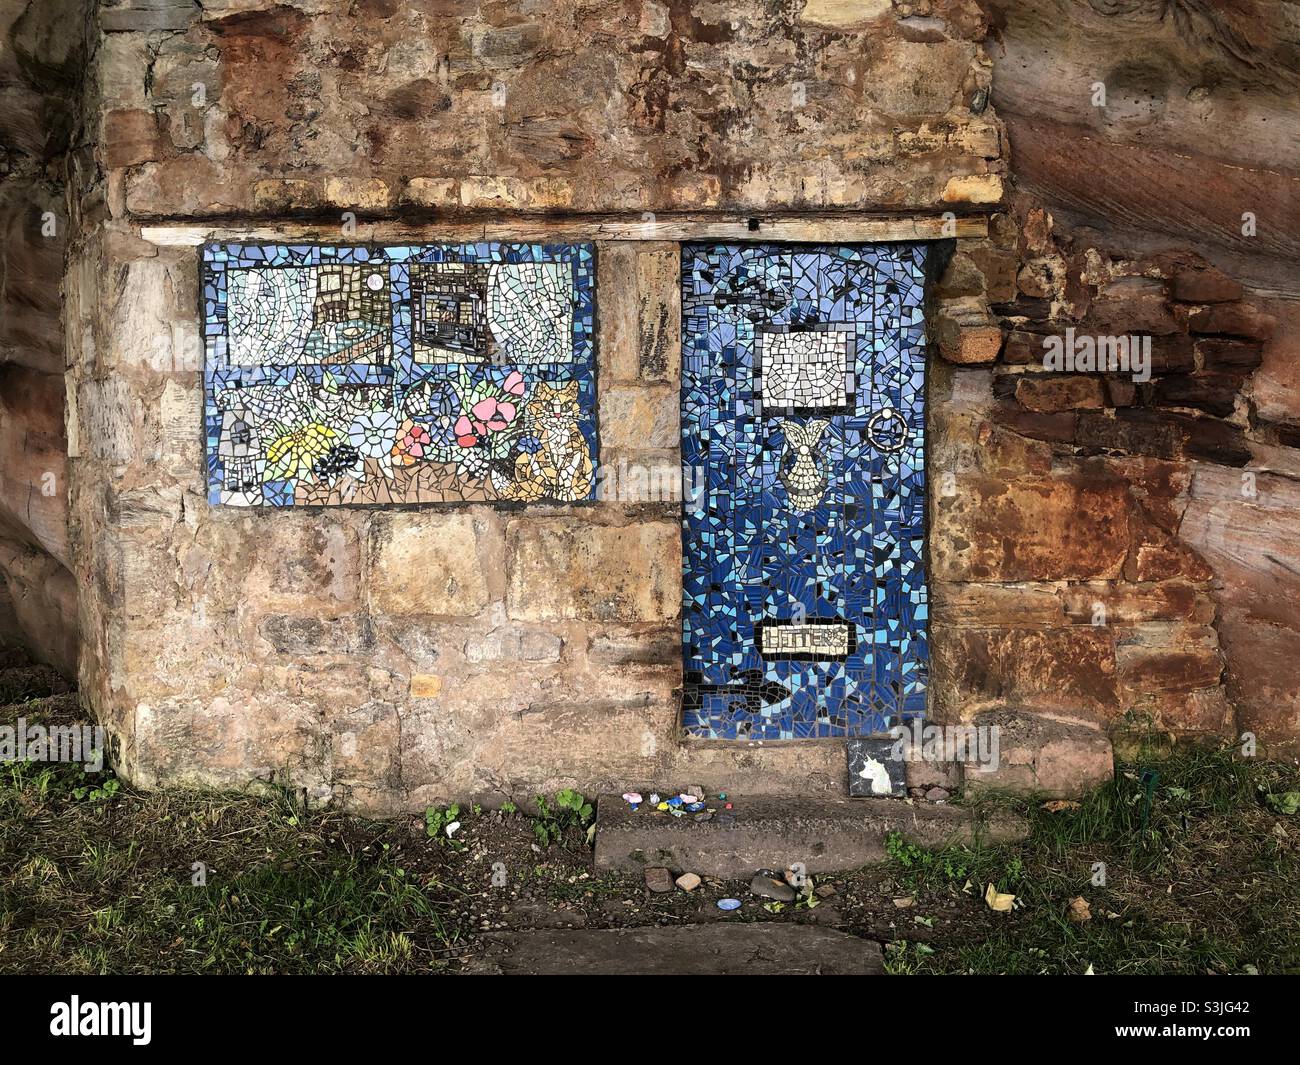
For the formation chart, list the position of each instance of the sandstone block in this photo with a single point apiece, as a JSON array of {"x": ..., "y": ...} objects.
[
  {"x": 1214, "y": 393},
  {"x": 1230, "y": 319},
  {"x": 1069, "y": 671},
  {"x": 1128, "y": 604},
  {"x": 286, "y": 194},
  {"x": 969, "y": 344},
  {"x": 130, "y": 137},
  {"x": 1036, "y": 528},
  {"x": 1055, "y": 758},
  {"x": 973, "y": 188},
  {"x": 292, "y": 560},
  {"x": 425, "y": 562},
  {"x": 844, "y": 14},
  {"x": 1041, "y": 392},
  {"x": 653, "y": 646},
  {"x": 514, "y": 645},
  {"x": 1161, "y": 658},
  {"x": 1204, "y": 285},
  {"x": 561, "y": 570},
  {"x": 432, "y": 192},
  {"x": 996, "y": 605},
  {"x": 640, "y": 417},
  {"x": 1234, "y": 355},
  {"x": 358, "y": 193}
]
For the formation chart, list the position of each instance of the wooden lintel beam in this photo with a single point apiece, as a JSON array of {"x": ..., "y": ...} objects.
[{"x": 820, "y": 229}]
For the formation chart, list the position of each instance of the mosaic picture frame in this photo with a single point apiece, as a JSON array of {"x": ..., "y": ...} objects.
[{"x": 373, "y": 375}]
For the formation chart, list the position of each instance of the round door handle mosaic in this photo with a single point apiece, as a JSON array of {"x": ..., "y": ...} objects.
[{"x": 887, "y": 430}]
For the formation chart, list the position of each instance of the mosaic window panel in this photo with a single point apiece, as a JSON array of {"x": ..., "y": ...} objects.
[
  {"x": 365, "y": 376},
  {"x": 805, "y": 371},
  {"x": 803, "y": 407}
]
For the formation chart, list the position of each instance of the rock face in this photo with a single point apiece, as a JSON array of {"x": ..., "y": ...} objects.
[
  {"x": 41, "y": 55},
  {"x": 1092, "y": 565}
]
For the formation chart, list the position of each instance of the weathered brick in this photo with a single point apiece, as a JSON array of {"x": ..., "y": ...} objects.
[
  {"x": 1204, "y": 285},
  {"x": 1045, "y": 393},
  {"x": 1214, "y": 393},
  {"x": 1229, "y": 319},
  {"x": 1237, "y": 355},
  {"x": 1036, "y": 528}
]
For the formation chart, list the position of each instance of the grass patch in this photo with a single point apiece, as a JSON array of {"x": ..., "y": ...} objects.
[
  {"x": 1188, "y": 865},
  {"x": 1200, "y": 851},
  {"x": 176, "y": 882}
]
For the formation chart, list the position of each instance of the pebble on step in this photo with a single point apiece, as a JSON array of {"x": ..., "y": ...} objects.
[
  {"x": 688, "y": 881},
  {"x": 658, "y": 879},
  {"x": 767, "y": 888}
]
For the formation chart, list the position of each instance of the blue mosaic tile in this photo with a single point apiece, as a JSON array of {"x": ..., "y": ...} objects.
[{"x": 803, "y": 406}]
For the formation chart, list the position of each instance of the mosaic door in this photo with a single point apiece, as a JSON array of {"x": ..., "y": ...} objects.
[{"x": 803, "y": 421}]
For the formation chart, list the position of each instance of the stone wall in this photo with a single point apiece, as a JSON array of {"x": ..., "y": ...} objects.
[
  {"x": 391, "y": 658},
  {"x": 589, "y": 105},
  {"x": 1082, "y": 543}
]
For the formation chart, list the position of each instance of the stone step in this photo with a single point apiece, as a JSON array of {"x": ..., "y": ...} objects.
[
  {"x": 691, "y": 950},
  {"x": 768, "y": 832}
]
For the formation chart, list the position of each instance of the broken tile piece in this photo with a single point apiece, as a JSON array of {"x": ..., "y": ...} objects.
[{"x": 872, "y": 768}]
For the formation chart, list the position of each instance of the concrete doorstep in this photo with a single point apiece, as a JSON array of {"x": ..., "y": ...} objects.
[
  {"x": 772, "y": 833},
  {"x": 693, "y": 950},
  {"x": 826, "y": 835}
]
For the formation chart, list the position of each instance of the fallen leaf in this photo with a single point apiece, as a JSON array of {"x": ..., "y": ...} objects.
[
  {"x": 1057, "y": 805},
  {"x": 999, "y": 900},
  {"x": 1080, "y": 911},
  {"x": 905, "y": 902},
  {"x": 1286, "y": 803}
]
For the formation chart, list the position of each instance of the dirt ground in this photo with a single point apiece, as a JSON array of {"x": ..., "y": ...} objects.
[{"x": 1201, "y": 856}]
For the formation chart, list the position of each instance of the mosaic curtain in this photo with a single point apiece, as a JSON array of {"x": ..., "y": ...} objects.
[
  {"x": 381, "y": 375},
  {"x": 803, "y": 406}
]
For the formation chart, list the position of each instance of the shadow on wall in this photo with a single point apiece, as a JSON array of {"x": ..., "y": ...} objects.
[{"x": 40, "y": 69}]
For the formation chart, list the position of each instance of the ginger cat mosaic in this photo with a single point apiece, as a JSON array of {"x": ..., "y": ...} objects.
[{"x": 560, "y": 467}]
